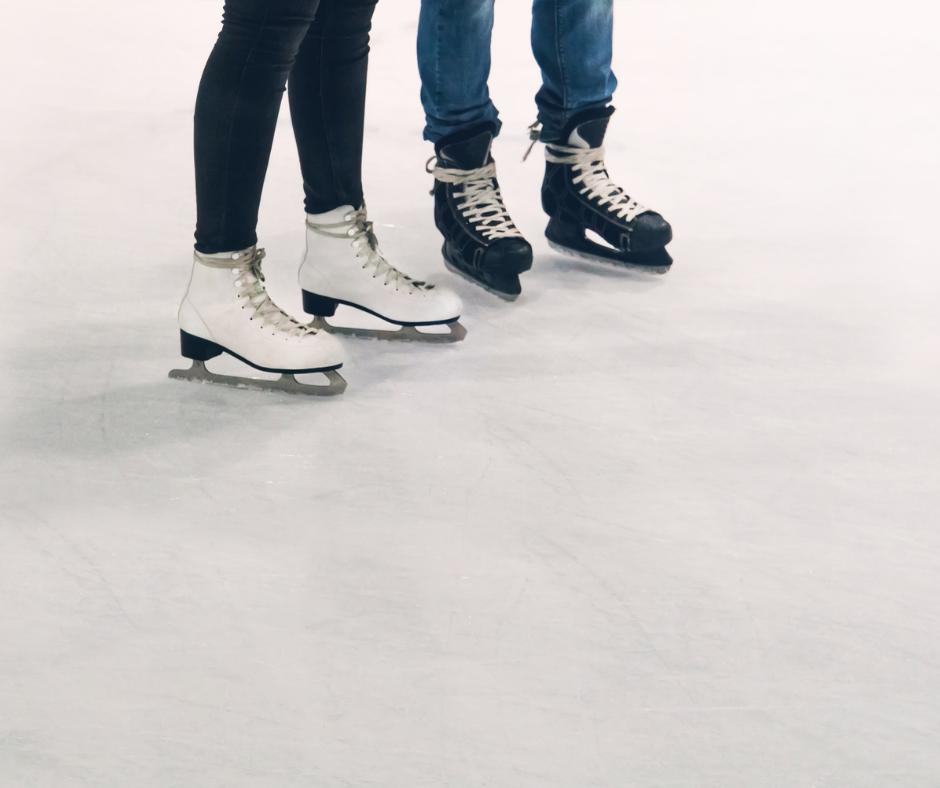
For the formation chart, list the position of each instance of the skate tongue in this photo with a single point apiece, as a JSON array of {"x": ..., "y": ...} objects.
[
  {"x": 469, "y": 154},
  {"x": 589, "y": 134}
]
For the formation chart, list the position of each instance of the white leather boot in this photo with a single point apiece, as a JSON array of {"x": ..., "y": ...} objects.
[
  {"x": 226, "y": 308},
  {"x": 344, "y": 265}
]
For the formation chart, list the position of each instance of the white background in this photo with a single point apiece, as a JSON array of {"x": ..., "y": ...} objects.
[{"x": 634, "y": 531}]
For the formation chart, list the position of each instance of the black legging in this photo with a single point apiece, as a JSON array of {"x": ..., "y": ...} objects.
[{"x": 321, "y": 50}]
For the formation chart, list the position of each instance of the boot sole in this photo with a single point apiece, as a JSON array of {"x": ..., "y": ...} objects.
[
  {"x": 199, "y": 349},
  {"x": 455, "y": 264},
  {"x": 322, "y": 306},
  {"x": 569, "y": 239}
]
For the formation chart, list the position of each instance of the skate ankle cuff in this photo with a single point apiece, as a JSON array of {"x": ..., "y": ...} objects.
[
  {"x": 245, "y": 258},
  {"x": 464, "y": 135},
  {"x": 324, "y": 229},
  {"x": 456, "y": 176},
  {"x": 566, "y": 154},
  {"x": 339, "y": 213}
]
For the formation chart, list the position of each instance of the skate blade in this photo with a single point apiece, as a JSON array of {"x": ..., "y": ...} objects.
[
  {"x": 455, "y": 333},
  {"x": 286, "y": 383},
  {"x": 608, "y": 261},
  {"x": 509, "y": 297}
]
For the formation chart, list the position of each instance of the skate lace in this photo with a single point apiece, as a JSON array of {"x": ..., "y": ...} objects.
[
  {"x": 597, "y": 184},
  {"x": 250, "y": 286},
  {"x": 482, "y": 201},
  {"x": 359, "y": 230}
]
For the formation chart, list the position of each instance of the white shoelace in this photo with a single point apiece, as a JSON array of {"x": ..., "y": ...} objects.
[
  {"x": 597, "y": 185},
  {"x": 358, "y": 229},
  {"x": 482, "y": 202},
  {"x": 250, "y": 287}
]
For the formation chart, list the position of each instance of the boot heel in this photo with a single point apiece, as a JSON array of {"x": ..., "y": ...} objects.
[
  {"x": 318, "y": 305},
  {"x": 198, "y": 349}
]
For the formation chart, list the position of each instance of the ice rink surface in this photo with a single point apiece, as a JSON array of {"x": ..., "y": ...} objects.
[{"x": 634, "y": 531}]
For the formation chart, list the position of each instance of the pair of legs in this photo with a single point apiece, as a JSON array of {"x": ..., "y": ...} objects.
[
  {"x": 317, "y": 50},
  {"x": 572, "y": 42}
]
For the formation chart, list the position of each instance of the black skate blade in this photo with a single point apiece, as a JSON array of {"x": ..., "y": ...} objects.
[
  {"x": 455, "y": 332},
  {"x": 658, "y": 262},
  {"x": 287, "y": 383}
]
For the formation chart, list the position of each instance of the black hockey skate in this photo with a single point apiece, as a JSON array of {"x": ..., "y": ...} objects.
[
  {"x": 579, "y": 196},
  {"x": 480, "y": 241}
]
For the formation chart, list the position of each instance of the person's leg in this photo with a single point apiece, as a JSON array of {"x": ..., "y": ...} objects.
[
  {"x": 327, "y": 90},
  {"x": 572, "y": 41},
  {"x": 343, "y": 263},
  {"x": 454, "y": 63},
  {"x": 236, "y": 114}
]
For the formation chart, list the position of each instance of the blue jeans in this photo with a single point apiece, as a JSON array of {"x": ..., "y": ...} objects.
[{"x": 571, "y": 41}]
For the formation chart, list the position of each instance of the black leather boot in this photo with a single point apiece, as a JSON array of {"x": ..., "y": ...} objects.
[
  {"x": 480, "y": 241},
  {"x": 579, "y": 196}
]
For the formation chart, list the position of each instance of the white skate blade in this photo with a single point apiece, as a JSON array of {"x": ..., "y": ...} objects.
[
  {"x": 286, "y": 383},
  {"x": 455, "y": 332},
  {"x": 607, "y": 261}
]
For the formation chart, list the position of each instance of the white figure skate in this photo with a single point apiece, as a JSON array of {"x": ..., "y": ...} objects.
[
  {"x": 226, "y": 308},
  {"x": 344, "y": 265}
]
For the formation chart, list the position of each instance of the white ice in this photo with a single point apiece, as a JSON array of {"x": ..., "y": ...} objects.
[{"x": 634, "y": 531}]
